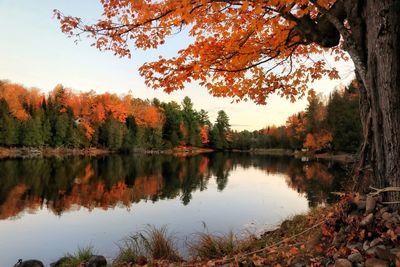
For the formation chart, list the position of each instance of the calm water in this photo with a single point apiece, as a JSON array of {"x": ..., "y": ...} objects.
[{"x": 49, "y": 207}]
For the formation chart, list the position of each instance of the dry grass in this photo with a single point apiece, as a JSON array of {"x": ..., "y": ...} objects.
[
  {"x": 211, "y": 246},
  {"x": 151, "y": 243},
  {"x": 81, "y": 256}
]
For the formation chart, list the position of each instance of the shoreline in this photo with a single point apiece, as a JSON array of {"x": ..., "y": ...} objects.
[
  {"x": 342, "y": 157},
  {"x": 33, "y": 152}
]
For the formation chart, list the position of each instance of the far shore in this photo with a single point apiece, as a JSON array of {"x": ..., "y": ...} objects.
[{"x": 31, "y": 152}]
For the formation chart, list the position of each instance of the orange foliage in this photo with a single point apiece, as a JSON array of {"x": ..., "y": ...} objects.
[
  {"x": 88, "y": 108},
  {"x": 15, "y": 95},
  {"x": 318, "y": 141},
  {"x": 147, "y": 115},
  {"x": 204, "y": 134},
  {"x": 296, "y": 125},
  {"x": 236, "y": 44}
]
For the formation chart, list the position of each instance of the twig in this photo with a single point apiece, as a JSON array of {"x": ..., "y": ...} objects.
[{"x": 383, "y": 190}]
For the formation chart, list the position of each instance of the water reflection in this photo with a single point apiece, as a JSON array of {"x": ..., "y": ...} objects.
[{"x": 64, "y": 184}]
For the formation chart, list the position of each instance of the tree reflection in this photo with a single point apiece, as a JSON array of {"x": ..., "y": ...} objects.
[{"x": 62, "y": 184}]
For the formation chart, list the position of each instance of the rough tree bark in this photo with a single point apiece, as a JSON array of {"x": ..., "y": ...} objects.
[{"x": 375, "y": 29}]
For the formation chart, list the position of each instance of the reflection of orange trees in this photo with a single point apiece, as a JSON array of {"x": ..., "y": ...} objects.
[
  {"x": 92, "y": 195},
  {"x": 96, "y": 195},
  {"x": 203, "y": 167},
  {"x": 314, "y": 180},
  {"x": 318, "y": 171},
  {"x": 312, "y": 171},
  {"x": 83, "y": 193},
  {"x": 147, "y": 187},
  {"x": 15, "y": 202}
]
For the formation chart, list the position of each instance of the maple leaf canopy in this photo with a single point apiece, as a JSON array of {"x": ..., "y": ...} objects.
[{"x": 240, "y": 49}]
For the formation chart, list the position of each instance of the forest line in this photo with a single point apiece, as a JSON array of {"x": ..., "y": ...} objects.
[{"x": 65, "y": 118}]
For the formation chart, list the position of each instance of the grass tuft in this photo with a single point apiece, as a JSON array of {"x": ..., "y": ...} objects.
[
  {"x": 210, "y": 246},
  {"x": 153, "y": 243},
  {"x": 81, "y": 256}
]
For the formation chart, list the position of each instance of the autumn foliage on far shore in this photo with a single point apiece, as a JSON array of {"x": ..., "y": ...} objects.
[{"x": 65, "y": 118}]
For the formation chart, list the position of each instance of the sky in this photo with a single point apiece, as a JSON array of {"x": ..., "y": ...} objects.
[{"x": 34, "y": 53}]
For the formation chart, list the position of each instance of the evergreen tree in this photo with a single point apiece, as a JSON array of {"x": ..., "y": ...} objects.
[
  {"x": 190, "y": 119},
  {"x": 60, "y": 129},
  {"x": 222, "y": 123},
  {"x": 343, "y": 120},
  {"x": 9, "y": 126},
  {"x": 171, "y": 128}
]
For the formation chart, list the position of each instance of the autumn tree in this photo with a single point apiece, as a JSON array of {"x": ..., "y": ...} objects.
[{"x": 318, "y": 137}]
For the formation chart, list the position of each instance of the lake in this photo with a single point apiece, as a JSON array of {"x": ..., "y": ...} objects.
[{"x": 53, "y": 206}]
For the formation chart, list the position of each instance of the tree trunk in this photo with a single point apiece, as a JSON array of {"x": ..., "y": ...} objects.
[{"x": 375, "y": 28}]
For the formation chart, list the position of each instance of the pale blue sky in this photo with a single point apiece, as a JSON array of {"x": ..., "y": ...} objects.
[{"x": 35, "y": 53}]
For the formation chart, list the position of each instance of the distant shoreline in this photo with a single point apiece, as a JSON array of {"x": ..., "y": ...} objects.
[
  {"x": 32, "y": 152},
  {"x": 306, "y": 155}
]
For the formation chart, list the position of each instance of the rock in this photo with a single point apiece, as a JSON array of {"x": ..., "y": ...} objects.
[
  {"x": 395, "y": 218},
  {"x": 366, "y": 245},
  {"x": 370, "y": 204},
  {"x": 386, "y": 216},
  {"x": 355, "y": 246},
  {"x": 361, "y": 205},
  {"x": 29, "y": 263},
  {"x": 389, "y": 225},
  {"x": 384, "y": 254},
  {"x": 336, "y": 256},
  {"x": 375, "y": 242},
  {"x": 373, "y": 251},
  {"x": 96, "y": 261},
  {"x": 59, "y": 262},
  {"x": 342, "y": 263},
  {"x": 355, "y": 257},
  {"x": 367, "y": 220},
  {"x": 383, "y": 210},
  {"x": 372, "y": 262},
  {"x": 395, "y": 252}
]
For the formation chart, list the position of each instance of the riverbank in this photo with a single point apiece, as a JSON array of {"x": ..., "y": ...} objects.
[
  {"x": 183, "y": 151},
  {"x": 31, "y": 152},
  {"x": 28, "y": 152},
  {"x": 306, "y": 155},
  {"x": 357, "y": 231}
]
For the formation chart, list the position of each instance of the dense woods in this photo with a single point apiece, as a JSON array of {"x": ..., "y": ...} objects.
[
  {"x": 64, "y": 118},
  {"x": 329, "y": 125}
]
